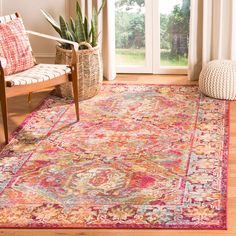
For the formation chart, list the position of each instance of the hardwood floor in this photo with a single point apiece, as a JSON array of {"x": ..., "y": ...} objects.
[{"x": 18, "y": 110}]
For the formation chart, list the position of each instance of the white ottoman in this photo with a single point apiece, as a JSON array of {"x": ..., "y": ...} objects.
[{"x": 218, "y": 79}]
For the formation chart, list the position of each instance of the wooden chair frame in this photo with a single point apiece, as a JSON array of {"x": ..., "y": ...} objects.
[{"x": 7, "y": 92}]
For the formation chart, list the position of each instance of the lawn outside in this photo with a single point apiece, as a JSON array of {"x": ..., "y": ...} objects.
[{"x": 131, "y": 57}]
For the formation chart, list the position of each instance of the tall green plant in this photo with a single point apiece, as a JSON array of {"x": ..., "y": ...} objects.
[{"x": 77, "y": 29}]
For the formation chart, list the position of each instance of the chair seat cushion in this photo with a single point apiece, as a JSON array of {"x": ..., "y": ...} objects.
[
  {"x": 15, "y": 47},
  {"x": 36, "y": 74}
]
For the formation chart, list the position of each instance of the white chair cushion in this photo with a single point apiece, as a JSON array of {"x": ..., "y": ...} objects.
[{"x": 36, "y": 74}]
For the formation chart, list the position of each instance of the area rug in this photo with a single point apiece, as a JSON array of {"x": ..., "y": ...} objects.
[{"x": 142, "y": 156}]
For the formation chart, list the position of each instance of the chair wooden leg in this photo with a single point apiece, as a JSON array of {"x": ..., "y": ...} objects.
[
  {"x": 4, "y": 112},
  {"x": 29, "y": 97},
  {"x": 75, "y": 91}
]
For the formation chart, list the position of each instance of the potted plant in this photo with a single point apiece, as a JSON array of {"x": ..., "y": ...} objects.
[{"x": 90, "y": 69}]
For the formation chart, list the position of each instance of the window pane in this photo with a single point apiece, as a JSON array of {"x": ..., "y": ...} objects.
[
  {"x": 174, "y": 30},
  {"x": 130, "y": 32}
]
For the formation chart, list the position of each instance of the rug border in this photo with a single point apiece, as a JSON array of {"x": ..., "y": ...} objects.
[
  {"x": 226, "y": 157},
  {"x": 225, "y": 173}
]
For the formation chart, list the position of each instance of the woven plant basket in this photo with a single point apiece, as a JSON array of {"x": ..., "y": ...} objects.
[{"x": 90, "y": 71}]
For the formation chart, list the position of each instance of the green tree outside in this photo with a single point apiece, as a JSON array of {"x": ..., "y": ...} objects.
[{"x": 130, "y": 33}]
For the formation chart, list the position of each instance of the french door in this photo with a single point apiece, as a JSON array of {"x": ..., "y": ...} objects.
[{"x": 152, "y": 36}]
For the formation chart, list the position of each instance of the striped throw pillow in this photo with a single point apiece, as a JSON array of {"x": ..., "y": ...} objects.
[{"x": 15, "y": 47}]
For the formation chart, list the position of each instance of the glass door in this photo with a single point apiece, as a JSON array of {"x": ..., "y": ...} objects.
[
  {"x": 133, "y": 36},
  {"x": 172, "y": 35},
  {"x": 152, "y": 36}
]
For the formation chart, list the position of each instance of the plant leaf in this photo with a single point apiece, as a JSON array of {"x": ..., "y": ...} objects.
[
  {"x": 86, "y": 26},
  {"x": 94, "y": 35},
  {"x": 71, "y": 28},
  {"x": 64, "y": 27},
  {"x": 101, "y": 7},
  {"x": 53, "y": 23},
  {"x": 79, "y": 11},
  {"x": 69, "y": 35},
  {"x": 72, "y": 24},
  {"x": 90, "y": 33},
  {"x": 79, "y": 30},
  {"x": 94, "y": 27}
]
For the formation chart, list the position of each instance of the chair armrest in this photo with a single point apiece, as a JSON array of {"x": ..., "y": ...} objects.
[
  {"x": 76, "y": 45},
  {"x": 3, "y": 62}
]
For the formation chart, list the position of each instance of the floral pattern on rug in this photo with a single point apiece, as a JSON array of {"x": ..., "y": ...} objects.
[{"x": 142, "y": 156}]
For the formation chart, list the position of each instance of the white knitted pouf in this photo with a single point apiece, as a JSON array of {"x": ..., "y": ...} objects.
[{"x": 218, "y": 79}]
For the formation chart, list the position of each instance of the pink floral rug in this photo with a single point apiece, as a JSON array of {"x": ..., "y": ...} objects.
[{"x": 142, "y": 156}]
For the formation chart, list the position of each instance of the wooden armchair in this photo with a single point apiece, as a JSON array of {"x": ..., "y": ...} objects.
[{"x": 38, "y": 77}]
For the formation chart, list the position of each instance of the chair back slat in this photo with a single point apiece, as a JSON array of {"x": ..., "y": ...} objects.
[{"x": 4, "y": 19}]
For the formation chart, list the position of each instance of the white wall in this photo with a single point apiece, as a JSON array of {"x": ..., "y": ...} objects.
[{"x": 43, "y": 49}]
